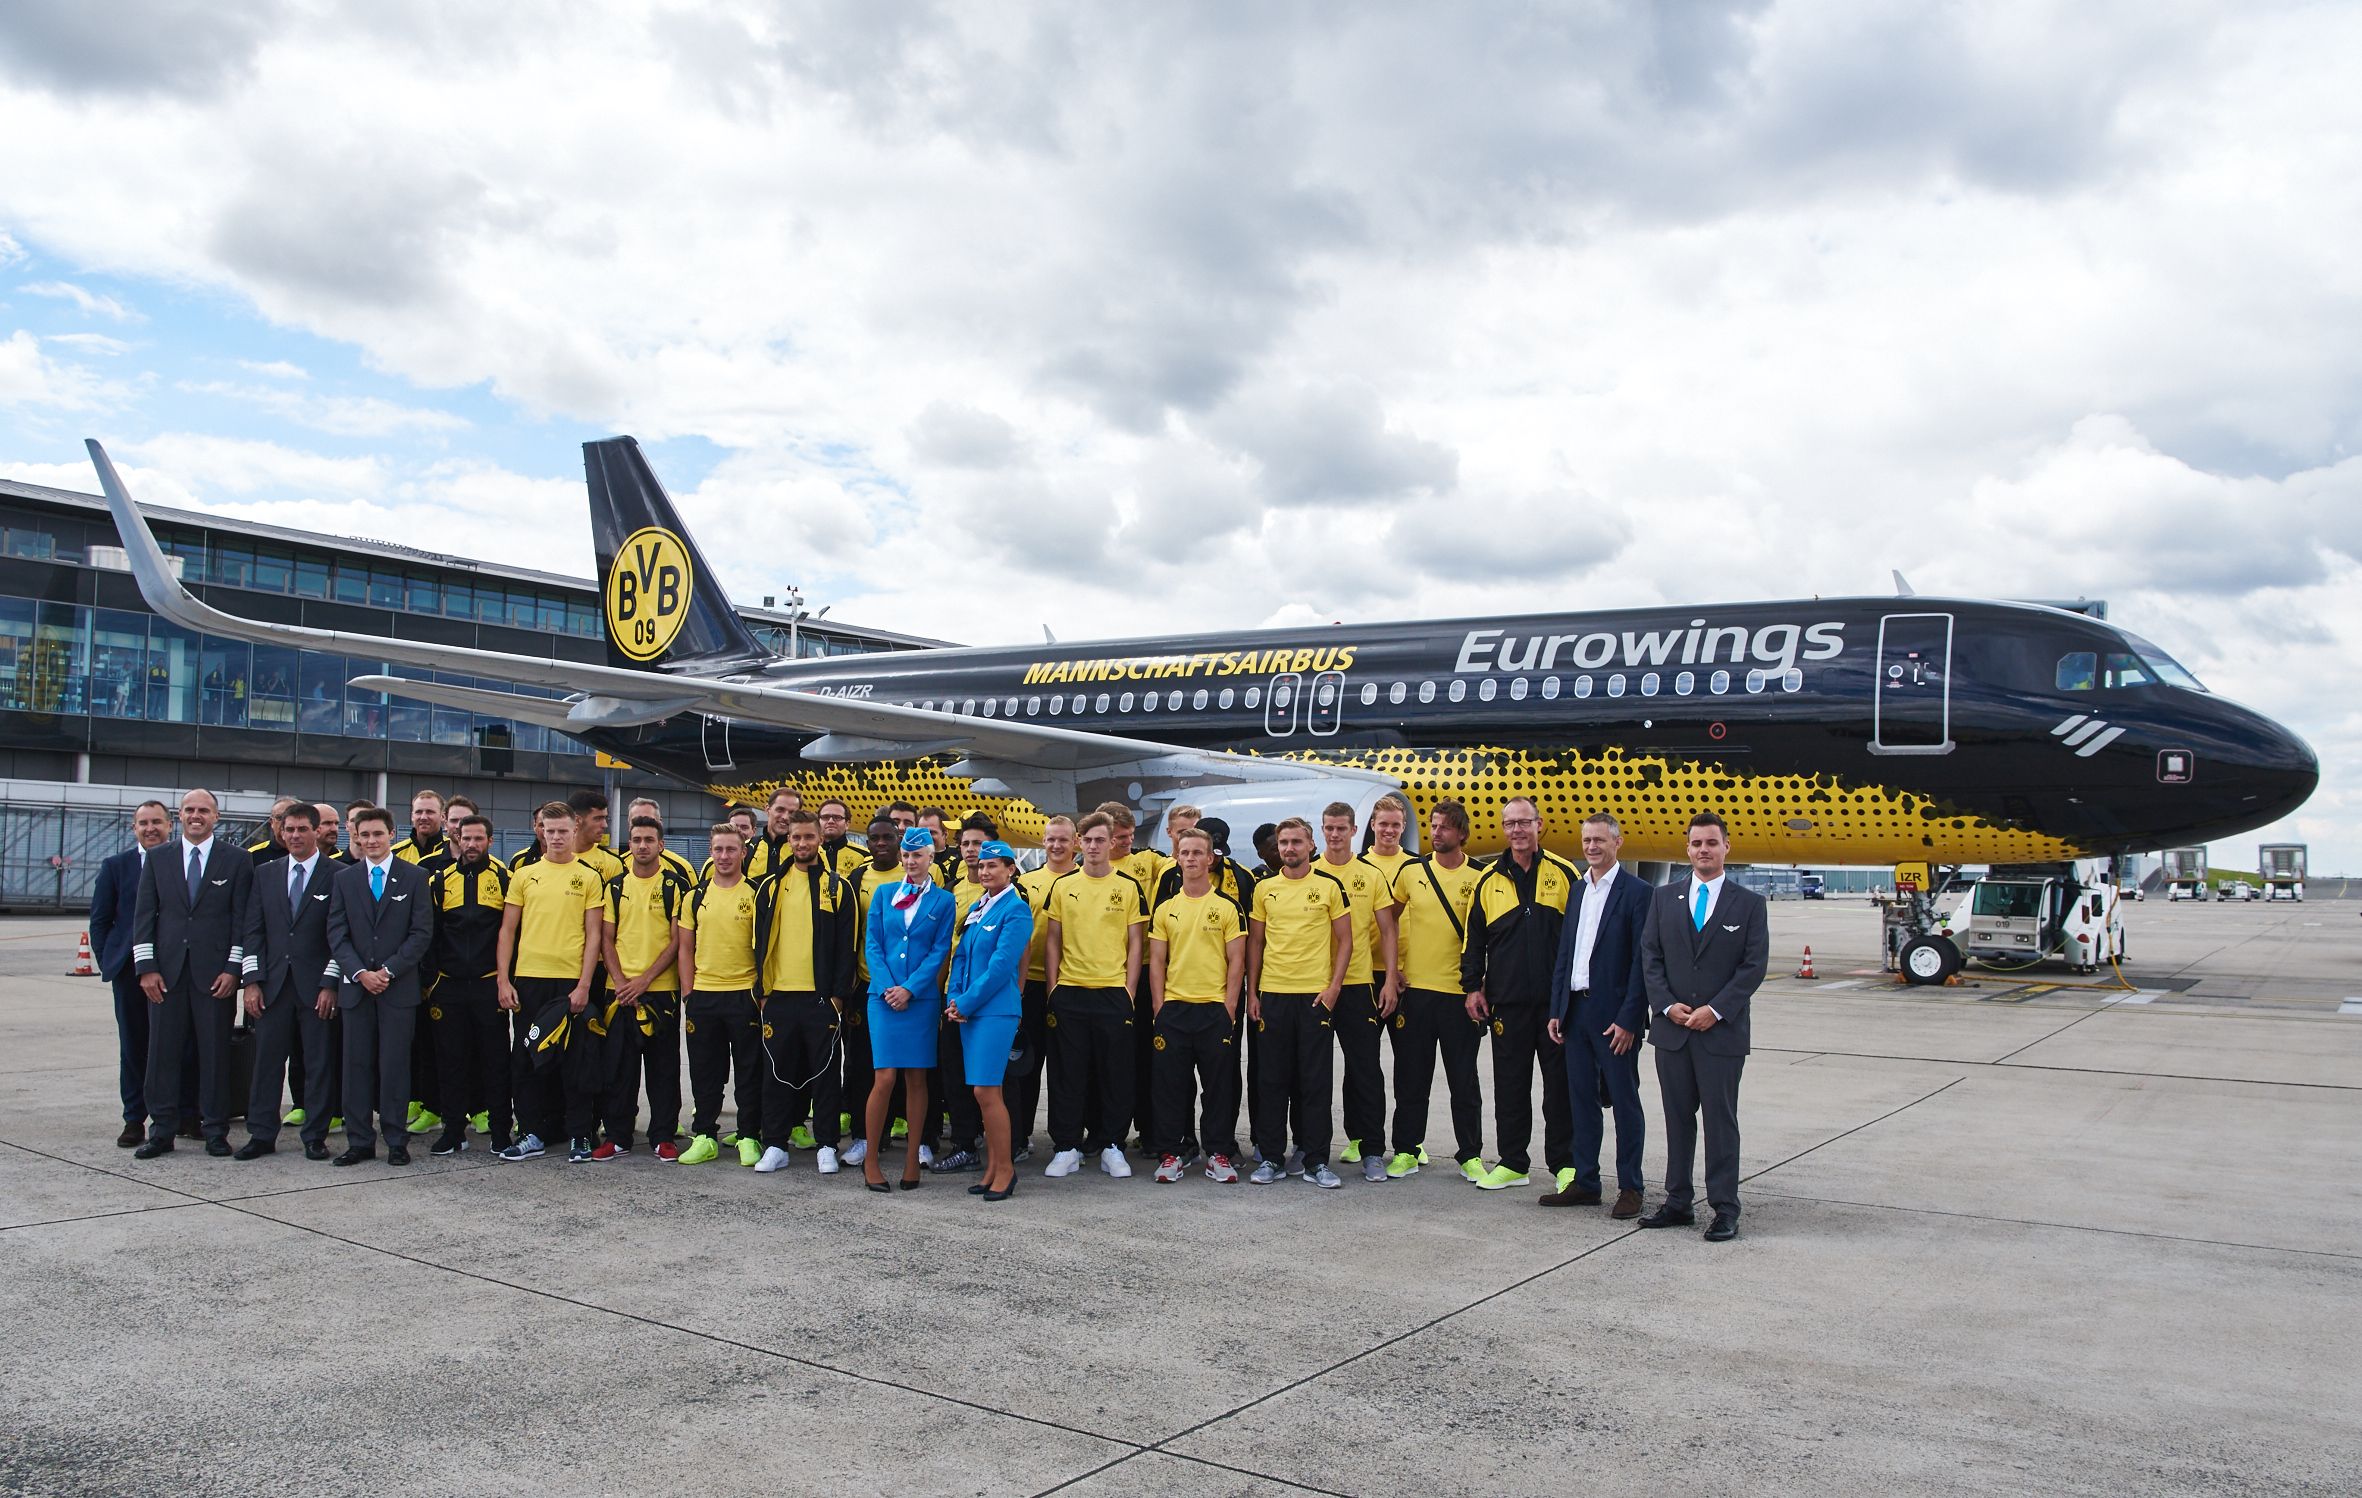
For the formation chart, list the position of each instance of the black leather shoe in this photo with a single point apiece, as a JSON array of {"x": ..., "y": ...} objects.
[
  {"x": 397, "y": 1154},
  {"x": 255, "y": 1149},
  {"x": 1723, "y": 1228},
  {"x": 153, "y": 1148},
  {"x": 314, "y": 1151},
  {"x": 192, "y": 1130},
  {"x": 354, "y": 1157},
  {"x": 218, "y": 1148},
  {"x": 1666, "y": 1217},
  {"x": 1573, "y": 1196},
  {"x": 132, "y": 1137}
]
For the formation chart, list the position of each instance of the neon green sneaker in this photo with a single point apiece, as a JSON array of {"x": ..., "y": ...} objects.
[
  {"x": 730, "y": 1140},
  {"x": 901, "y": 1129},
  {"x": 1404, "y": 1164},
  {"x": 800, "y": 1137},
  {"x": 411, "y": 1119},
  {"x": 749, "y": 1152},
  {"x": 844, "y": 1126},
  {"x": 1565, "y": 1178},
  {"x": 700, "y": 1150},
  {"x": 426, "y": 1121},
  {"x": 480, "y": 1122},
  {"x": 1472, "y": 1171},
  {"x": 1351, "y": 1154},
  {"x": 336, "y": 1123},
  {"x": 295, "y": 1117},
  {"x": 1423, "y": 1155},
  {"x": 1501, "y": 1178}
]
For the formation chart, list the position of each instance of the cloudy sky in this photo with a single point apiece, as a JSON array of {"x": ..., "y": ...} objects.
[{"x": 980, "y": 318}]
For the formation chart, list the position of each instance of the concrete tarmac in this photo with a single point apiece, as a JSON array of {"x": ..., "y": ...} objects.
[{"x": 2032, "y": 1235}]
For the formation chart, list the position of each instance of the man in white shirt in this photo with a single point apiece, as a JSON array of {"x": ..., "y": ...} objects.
[
  {"x": 186, "y": 941},
  {"x": 289, "y": 1000},
  {"x": 1599, "y": 1011}
]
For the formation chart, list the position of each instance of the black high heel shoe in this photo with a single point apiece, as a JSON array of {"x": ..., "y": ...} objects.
[
  {"x": 1004, "y": 1193},
  {"x": 911, "y": 1183}
]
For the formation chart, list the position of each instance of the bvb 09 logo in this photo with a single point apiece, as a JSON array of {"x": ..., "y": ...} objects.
[{"x": 648, "y": 591}]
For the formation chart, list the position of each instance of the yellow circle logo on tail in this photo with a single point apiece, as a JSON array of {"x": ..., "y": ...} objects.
[{"x": 649, "y": 586}]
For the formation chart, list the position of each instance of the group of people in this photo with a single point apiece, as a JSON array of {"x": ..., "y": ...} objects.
[{"x": 918, "y": 986}]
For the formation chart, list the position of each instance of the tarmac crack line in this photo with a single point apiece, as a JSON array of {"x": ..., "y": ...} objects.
[
  {"x": 2071, "y": 1227},
  {"x": 2073, "y": 1071},
  {"x": 751, "y": 1347},
  {"x": 190, "y": 1199},
  {"x": 1849, "y": 1133}
]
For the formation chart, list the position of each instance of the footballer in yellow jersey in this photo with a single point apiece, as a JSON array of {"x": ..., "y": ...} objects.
[{"x": 1197, "y": 958}]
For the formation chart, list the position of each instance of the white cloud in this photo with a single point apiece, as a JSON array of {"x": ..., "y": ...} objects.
[
  {"x": 32, "y": 381},
  {"x": 96, "y": 343},
  {"x": 274, "y": 369},
  {"x": 11, "y": 253},
  {"x": 341, "y": 415},
  {"x": 91, "y": 303}
]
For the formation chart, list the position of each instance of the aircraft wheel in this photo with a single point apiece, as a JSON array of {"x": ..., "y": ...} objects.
[{"x": 1928, "y": 960}]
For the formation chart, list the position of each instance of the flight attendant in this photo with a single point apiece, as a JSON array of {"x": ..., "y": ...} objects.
[
  {"x": 908, "y": 940},
  {"x": 986, "y": 1002}
]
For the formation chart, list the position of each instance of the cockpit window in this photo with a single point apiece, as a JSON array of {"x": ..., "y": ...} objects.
[
  {"x": 2126, "y": 670},
  {"x": 2078, "y": 671},
  {"x": 2163, "y": 667}
]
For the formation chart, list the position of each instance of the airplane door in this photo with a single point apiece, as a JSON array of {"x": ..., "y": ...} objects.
[
  {"x": 717, "y": 744},
  {"x": 1279, "y": 708},
  {"x": 1326, "y": 709},
  {"x": 1912, "y": 713}
]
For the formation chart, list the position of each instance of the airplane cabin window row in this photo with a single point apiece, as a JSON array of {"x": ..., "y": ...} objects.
[{"x": 1396, "y": 694}]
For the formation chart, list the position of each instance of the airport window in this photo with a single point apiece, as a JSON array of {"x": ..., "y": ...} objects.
[
  {"x": 1755, "y": 681},
  {"x": 1173, "y": 700},
  {"x": 1228, "y": 696},
  {"x": 1615, "y": 685},
  {"x": 352, "y": 583},
  {"x": 1793, "y": 681},
  {"x": 272, "y": 705},
  {"x": 1458, "y": 691},
  {"x": 1648, "y": 684},
  {"x": 1427, "y": 691},
  {"x": 20, "y": 542},
  {"x": 1720, "y": 684},
  {"x": 1550, "y": 687},
  {"x": 1102, "y": 704},
  {"x": 1254, "y": 697},
  {"x": 1369, "y": 694},
  {"x": 2078, "y": 670},
  {"x": 1485, "y": 690},
  {"x": 1124, "y": 703},
  {"x": 222, "y": 692},
  {"x": 1517, "y": 690},
  {"x": 1396, "y": 693},
  {"x": 420, "y": 595},
  {"x": 311, "y": 574},
  {"x": 18, "y": 670},
  {"x": 385, "y": 588},
  {"x": 1033, "y": 707},
  {"x": 1684, "y": 684},
  {"x": 1582, "y": 686}
]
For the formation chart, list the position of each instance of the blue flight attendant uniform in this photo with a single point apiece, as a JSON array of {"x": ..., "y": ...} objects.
[
  {"x": 907, "y": 954},
  {"x": 988, "y": 981}
]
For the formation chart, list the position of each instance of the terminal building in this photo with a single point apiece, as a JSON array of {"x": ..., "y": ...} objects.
[{"x": 96, "y": 692}]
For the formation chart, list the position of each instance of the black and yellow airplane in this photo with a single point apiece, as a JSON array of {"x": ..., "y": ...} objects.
[{"x": 1837, "y": 731}]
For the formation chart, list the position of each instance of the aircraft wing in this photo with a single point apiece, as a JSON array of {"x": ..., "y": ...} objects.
[{"x": 1029, "y": 759}]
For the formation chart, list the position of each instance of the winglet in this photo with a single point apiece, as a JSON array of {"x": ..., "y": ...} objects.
[{"x": 149, "y": 567}]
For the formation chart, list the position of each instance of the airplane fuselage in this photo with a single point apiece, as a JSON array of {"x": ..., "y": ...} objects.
[{"x": 1861, "y": 731}]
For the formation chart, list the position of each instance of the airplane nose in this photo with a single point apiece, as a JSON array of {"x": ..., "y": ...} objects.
[{"x": 2276, "y": 771}]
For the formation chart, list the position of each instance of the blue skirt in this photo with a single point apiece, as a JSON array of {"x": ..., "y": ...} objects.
[
  {"x": 906, "y": 1037},
  {"x": 984, "y": 1048}
]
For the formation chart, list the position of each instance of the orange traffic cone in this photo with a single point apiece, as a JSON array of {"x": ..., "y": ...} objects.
[
  {"x": 1806, "y": 971},
  {"x": 84, "y": 966}
]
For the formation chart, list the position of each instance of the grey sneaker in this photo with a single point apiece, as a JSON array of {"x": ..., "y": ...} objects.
[
  {"x": 1265, "y": 1174},
  {"x": 1220, "y": 1169},
  {"x": 1373, "y": 1169},
  {"x": 1323, "y": 1177}
]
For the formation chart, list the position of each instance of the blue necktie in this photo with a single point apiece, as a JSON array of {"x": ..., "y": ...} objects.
[
  {"x": 196, "y": 874},
  {"x": 295, "y": 889},
  {"x": 1700, "y": 917},
  {"x": 377, "y": 887}
]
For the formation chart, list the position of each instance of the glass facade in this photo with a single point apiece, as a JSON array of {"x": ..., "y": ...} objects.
[{"x": 113, "y": 663}]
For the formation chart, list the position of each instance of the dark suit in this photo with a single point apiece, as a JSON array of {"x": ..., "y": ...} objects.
[
  {"x": 190, "y": 936},
  {"x": 366, "y": 932},
  {"x": 1719, "y": 967},
  {"x": 287, "y": 958},
  {"x": 114, "y": 905},
  {"x": 1612, "y": 991}
]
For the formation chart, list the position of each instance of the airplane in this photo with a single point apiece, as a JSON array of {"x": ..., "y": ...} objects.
[{"x": 1826, "y": 731}]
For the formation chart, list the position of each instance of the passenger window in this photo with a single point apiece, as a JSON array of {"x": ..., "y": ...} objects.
[
  {"x": 1223, "y": 702},
  {"x": 1396, "y": 693},
  {"x": 1126, "y": 702},
  {"x": 1517, "y": 689},
  {"x": 1369, "y": 694},
  {"x": 1102, "y": 702},
  {"x": 1427, "y": 691},
  {"x": 1485, "y": 689},
  {"x": 2076, "y": 670},
  {"x": 1720, "y": 684},
  {"x": 1459, "y": 690},
  {"x": 1550, "y": 687},
  {"x": 1254, "y": 697}
]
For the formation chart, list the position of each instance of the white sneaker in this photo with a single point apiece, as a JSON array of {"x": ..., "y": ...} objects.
[
  {"x": 926, "y": 1154},
  {"x": 826, "y": 1160},
  {"x": 856, "y": 1152},
  {"x": 1111, "y": 1160},
  {"x": 774, "y": 1158},
  {"x": 1065, "y": 1163}
]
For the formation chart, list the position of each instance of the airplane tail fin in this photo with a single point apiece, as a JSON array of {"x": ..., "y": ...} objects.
[{"x": 664, "y": 608}]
